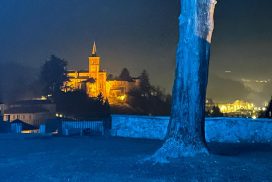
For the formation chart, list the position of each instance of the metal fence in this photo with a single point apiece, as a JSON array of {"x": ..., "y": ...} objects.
[
  {"x": 82, "y": 127},
  {"x": 16, "y": 127}
]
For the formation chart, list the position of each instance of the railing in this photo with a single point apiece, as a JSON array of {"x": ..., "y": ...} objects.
[
  {"x": 16, "y": 127},
  {"x": 82, "y": 127}
]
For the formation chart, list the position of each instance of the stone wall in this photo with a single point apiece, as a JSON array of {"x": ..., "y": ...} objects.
[
  {"x": 139, "y": 126},
  {"x": 229, "y": 130}
]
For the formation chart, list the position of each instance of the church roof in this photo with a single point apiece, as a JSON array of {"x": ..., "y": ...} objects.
[
  {"x": 79, "y": 77},
  {"x": 83, "y": 71},
  {"x": 94, "y": 51},
  {"x": 82, "y": 77},
  {"x": 80, "y": 71}
]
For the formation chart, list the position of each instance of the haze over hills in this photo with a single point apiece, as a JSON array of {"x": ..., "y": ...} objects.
[{"x": 16, "y": 81}]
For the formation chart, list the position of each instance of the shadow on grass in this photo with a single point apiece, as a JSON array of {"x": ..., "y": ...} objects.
[{"x": 230, "y": 149}]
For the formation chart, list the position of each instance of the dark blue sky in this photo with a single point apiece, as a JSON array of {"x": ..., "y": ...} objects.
[{"x": 142, "y": 34}]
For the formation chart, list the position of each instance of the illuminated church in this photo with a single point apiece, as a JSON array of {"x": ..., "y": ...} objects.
[{"x": 94, "y": 81}]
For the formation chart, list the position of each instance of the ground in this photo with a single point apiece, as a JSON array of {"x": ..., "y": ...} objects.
[{"x": 47, "y": 158}]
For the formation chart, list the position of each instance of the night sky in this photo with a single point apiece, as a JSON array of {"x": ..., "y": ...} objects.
[{"x": 142, "y": 34}]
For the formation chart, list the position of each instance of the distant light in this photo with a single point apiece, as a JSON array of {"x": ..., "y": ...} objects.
[
  {"x": 43, "y": 98},
  {"x": 123, "y": 97},
  {"x": 254, "y": 117},
  {"x": 264, "y": 109},
  {"x": 57, "y": 114}
]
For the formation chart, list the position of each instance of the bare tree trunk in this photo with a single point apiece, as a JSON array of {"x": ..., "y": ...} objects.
[{"x": 186, "y": 136}]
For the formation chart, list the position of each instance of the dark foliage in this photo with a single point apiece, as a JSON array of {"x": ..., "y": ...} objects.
[
  {"x": 149, "y": 100},
  {"x": 214, "y": 112},
  {"x": 53, "y": 75},
  {"x": 110, "y": 77},
  {"x": 268, "y": 112},
  {"x": 125, "y": 75},
  {"x": 145, "y": 86},
  {"x": 107, "y": 115},
  {"x": 78, "y": 105}
]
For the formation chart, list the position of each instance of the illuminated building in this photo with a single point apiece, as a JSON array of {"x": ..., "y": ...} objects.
[
  {"x": 238, "y": 105},
  {"x": 238, "y": 108},
  {"x": 94, "y": 81}
]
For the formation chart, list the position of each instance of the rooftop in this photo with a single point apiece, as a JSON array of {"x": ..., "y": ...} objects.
[
  {"x": 80, "y": 71},
  {"x": 32, "y": 102},
  {"x": 25, "y": 126},
  {"x": 21, "y": 110}
]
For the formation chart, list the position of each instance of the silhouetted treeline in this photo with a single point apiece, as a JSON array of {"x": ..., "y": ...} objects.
[
  {"x": 268, "y": 112},
  {"x": 144, "y": 100},
  {"x": 53, "y": 75},
  {"x": 78, "y": 105},
  {"x": 124, "y": 76},
  {"x": 214, "y": 112},
  {"x": 148, "y": 99}
]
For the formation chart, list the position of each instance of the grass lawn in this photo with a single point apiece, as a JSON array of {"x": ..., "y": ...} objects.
[{"x": 36, "y": 158}]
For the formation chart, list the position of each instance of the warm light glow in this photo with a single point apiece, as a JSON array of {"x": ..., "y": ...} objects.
[
  {"x": 123, "y": 97},
  {"x": 43, "y": 98},
  {"x": 237, "y": 106},
  {"x": 94, "y": 81}
]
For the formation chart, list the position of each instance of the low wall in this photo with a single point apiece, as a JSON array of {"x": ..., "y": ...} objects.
[
  {"x": 139, "y": 126},
  {"x": 236, "y": 130},
  {"x": 228, "y": 130}
]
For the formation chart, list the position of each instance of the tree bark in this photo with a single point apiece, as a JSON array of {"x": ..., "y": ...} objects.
[{"x": 186, "y": 135}]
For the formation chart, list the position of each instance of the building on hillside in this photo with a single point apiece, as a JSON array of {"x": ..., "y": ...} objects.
[
  {"x": 2, "y": 108},
  {"x": 238, "y": 108},
  {"x": 33, "y": 112},
  {"x": 94, "y": 81}
]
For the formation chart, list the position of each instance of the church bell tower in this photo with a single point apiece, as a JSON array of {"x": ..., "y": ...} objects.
[{"x": 94, "y": 64}]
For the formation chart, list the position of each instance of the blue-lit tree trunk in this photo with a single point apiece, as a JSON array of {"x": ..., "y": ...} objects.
[{"x": 186, "y": 136}]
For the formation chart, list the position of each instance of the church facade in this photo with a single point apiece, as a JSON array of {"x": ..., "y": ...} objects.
[{"x": 94, "y": 82}]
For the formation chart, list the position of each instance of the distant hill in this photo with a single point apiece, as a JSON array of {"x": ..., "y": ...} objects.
[{"x": 16, "y": 81}]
